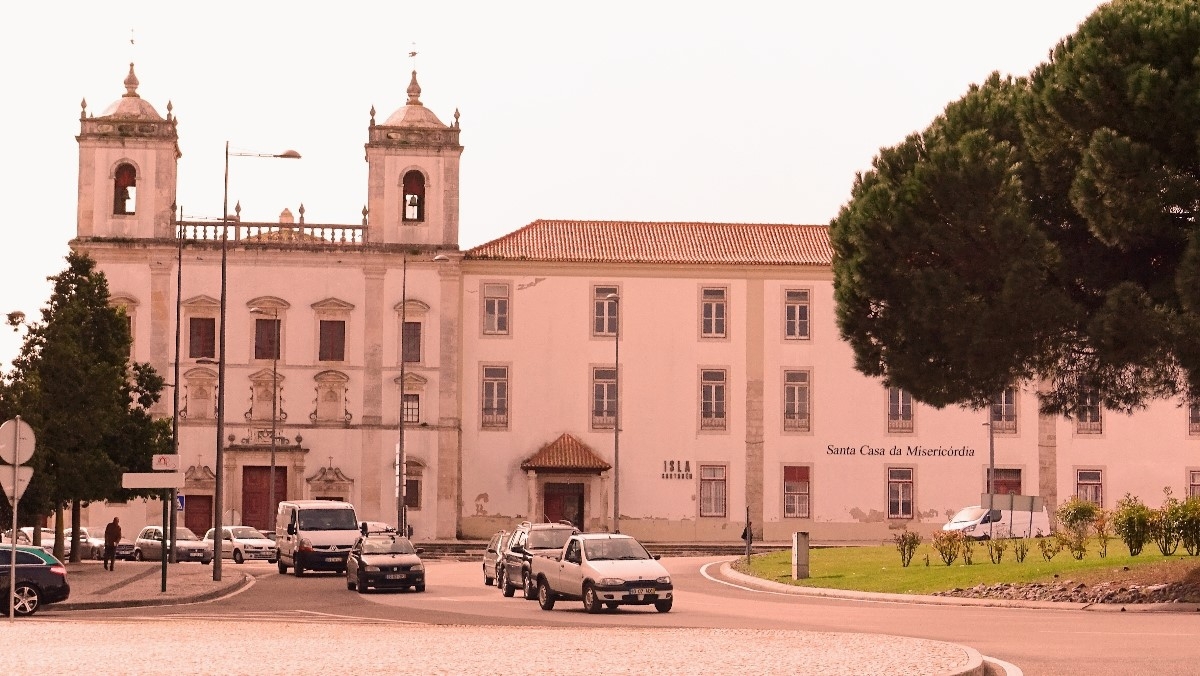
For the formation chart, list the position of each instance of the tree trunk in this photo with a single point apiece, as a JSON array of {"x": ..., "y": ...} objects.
[{"x": 76, "y": 510}]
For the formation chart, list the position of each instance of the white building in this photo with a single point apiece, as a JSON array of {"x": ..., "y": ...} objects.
[{"x": 734, "y": 394}]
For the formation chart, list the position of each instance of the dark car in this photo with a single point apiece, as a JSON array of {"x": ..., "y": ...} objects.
[
  {"x": 529, "y": 539},
  {"x": 41, "y": 579},
  {"x": 384, "y": 561},
  {"x": 493, "y": 555}
]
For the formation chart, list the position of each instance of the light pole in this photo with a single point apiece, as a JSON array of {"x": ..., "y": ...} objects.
[
  {"x": 276, "y": 348},
  {"x": 219, "y": 493},
  {"x": 616, "y": 301},
  {"x": 991, "y": 478}
]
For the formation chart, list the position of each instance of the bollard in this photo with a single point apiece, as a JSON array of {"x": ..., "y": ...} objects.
[{"x": 799, "y": 555}]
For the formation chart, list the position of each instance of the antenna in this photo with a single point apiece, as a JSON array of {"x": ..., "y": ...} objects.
[{"x": 413, "y": 56}]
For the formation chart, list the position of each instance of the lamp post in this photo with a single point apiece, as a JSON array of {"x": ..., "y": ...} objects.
[
  {"x": 991, "y": 478},
  {"x": 616, "y": 301},
  {"x": 276, "y": 348},
  {"x": 219, "y": 493}
]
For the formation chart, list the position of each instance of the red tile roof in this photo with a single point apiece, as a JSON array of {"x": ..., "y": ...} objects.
[
  {"x": 565, "y": 453},
  {"x": 680, "y": 243}
]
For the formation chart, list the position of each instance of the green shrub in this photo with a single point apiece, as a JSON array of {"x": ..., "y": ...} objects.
[
  {"x": 1131, "y": 522},
  {"x": 1102, "y": 526},
  {"x": 967, "y": 548},
  {"x": 1077, "y": 516},
  {"x": 906, "y": 543},
  {"x": 1021, "y": 550},
  {"x": 1165, "y": 523},
  {"x": 1049, "y": 546},
  {"x": 947, "y": 543},
  {"x": 1189, "y": 525},
  {"x": 996, "y": 550}
]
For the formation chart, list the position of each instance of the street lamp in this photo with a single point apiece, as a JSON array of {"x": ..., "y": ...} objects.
[
  {"x": 401, "y": 457},
  {"x": 616, "y": 301},
  {"x": 219, "y": 497},
  {"x": 276, "y": 347}
]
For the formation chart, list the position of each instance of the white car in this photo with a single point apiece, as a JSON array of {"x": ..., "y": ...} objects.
[
  {"x": 979, "y": 523},
  {"x": 243, "y": 543},
  {"x": 604, "y": 570}
]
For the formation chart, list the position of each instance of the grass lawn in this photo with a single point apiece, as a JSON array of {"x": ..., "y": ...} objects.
[{"x": 878, "y": 569}]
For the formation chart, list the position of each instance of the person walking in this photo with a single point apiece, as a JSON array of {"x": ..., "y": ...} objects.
[{"x": 112, "y": 535}]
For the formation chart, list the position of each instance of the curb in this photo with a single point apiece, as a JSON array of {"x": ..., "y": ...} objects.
[{"x": 232, "y": 588}]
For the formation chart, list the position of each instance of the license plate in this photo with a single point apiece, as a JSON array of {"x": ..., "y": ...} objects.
[
  {"x": 642, "y": 591},
  {"x": 395, "y": 576},
  {"x": 332, "y": 559}
]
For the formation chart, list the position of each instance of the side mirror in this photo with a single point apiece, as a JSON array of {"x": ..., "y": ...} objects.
[
  {"x": 291, "y": 529},
  {"x": 420, "y": 550},
  {"x": 657, "y": 557},
  {"x": 519, "y": 549}
]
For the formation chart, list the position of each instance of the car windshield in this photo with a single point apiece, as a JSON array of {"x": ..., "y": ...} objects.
[
  {"x": 614, "y": 549},
  {"x": 182, "y": 533},
  {"x": 327, "y": 519},
  {"x": 968, "y": 514},
  {"x": 550, "y": 538},
  {"x": 247, "y": 533},
  {"x": 391, "y": 545}
]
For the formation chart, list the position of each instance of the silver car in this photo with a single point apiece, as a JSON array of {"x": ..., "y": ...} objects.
[
  {"x": 242, "y": 544},
  {"x": 188, "y": 547}
]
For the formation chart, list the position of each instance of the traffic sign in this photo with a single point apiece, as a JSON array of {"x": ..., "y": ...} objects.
[
  {"x": 23, "y": 475},
  {"x": 16, "y": 441},
  {"x": 166, "y": 461},
  {"x": 180, "y": 501},
  {"x": 152, "y": 480}
]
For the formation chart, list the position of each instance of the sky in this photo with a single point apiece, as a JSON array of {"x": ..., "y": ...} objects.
[{"x": 674, "y": 110}]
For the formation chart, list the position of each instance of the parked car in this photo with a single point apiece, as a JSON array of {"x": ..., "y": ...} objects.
[
  {"x": 243, "y": 543},
  {"x": 25, "y": 537},
  {"x": 980, "y": 523},
  {"x": 41, "y": 579},
  {"x": 528, "y": 540},
  {"x": 384, "y": 561},
  {"x": 604, "y": 570},
  {"x": 492, "y": 557},
  {"x": 90, "y": 547},
  {"x": 188, "y": 547}
]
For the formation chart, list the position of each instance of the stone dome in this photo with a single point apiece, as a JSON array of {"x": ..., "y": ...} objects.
[
  {"x": 414, "y": 115},
  {"x": 131, "y": 106}
]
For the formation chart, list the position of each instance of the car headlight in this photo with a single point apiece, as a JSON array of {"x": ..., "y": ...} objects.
[
  {"x": 611, "y": 582},
  {"x": 305, "y": 545},
  {"x": 371, "y": 569},
  {"x": 419, "y": 568},
  {"x": 665, "y": 579},
  {"x": 969, "y": 529}
]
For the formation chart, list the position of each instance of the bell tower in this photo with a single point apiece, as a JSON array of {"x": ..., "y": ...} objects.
[
  {"x": 128, "y": 168},
  {"x": 412, "y": 176}
]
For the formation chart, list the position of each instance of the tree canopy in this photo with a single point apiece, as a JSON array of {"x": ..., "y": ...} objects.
[
  {"x": 88, "y": 406},
  {"x": 1041, "y": 227}
]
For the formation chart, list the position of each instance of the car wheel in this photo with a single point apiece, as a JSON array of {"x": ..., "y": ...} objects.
[
  {"x": 362, "y": 588},
  {"x": 487, "y": 579},
  {"x": 237, "y": 557},
  {"x": 137, "y": 555},
  {"x": 205, "y": 561},
  {"x": 663, "y": 605},
  {"x": 591, "y": 603},
  {"x": 505, "y": 587},
  {"x": 282, "y": 568},
  {"x": 610, "y": 606},
  {"x": 349, "y": 583},
  {"x": 530, "y": 587},
  {"x": 421, "y": 587},
  {"x": 26, "y": 600},
  {"x": 298, "y": 570},
  {"x": 545, "y": 596}
]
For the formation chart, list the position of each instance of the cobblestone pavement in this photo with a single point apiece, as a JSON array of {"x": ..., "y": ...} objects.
[{"x": 306, "y": 643}]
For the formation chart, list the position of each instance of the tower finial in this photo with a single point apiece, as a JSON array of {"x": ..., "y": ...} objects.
[
  {"x": 414, "y": 91},
  {"x": 131, "y": 83}
]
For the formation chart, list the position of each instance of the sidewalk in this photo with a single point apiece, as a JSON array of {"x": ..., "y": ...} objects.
[{"x": 139, "y": 583}]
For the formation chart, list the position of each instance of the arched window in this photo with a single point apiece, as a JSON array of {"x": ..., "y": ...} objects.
[
  {"x": 414, "y": 196},
  {"x": 125, "y": 190}
]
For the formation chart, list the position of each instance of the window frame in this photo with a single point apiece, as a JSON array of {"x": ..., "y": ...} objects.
[
  {"x": 714, "y": 400},
  {"x": 714, "y": 312},
  {"x": 709, "y": 484},
  {"x": 896, "y": 484},
  {"x": 499, "y": 418},
  {"x": 265, "y": 340},
  {"x": 1193, "y": 486},
  {"x": 1003, "y": 412},
  {"x": 193, "y": 321},
  {"x": 802, "y": 490},
  {"x": 605, "y": 407},
  {"x": 496, "y": 309},
  {"x": 410, "y": 407},
  {"x": 606, "y": 312},
  {"x": 340, "y": 343},
  {"x": 1005, "y": 481},
  {"x": 1090, "y": 418},
  {"x": 797, "y": 328},
  {"x": 901, "y": 413},
  {"x": 1090, "y": 485},
  {"x": 795, "y": 420},
  {"x": 412, "y": 349}
]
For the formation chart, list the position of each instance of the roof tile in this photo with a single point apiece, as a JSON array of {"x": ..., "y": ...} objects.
[{"x": 565, "y": 453}]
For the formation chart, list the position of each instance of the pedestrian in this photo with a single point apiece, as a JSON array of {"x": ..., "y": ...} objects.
[{"x": 112, "y": 535}]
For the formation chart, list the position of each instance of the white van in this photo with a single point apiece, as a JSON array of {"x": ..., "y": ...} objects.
[
  {"x": 979, "y": 523},
  {"x": 314, "y": 535}
]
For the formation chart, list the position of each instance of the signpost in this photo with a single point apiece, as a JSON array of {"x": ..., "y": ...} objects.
[
  {"x": 16, "y": 447},
  {"x": 165, "y": 480}
]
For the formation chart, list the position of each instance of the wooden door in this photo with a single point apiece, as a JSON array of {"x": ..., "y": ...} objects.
[
  {"x": 256, "y": 512},
  {"x": 563, "y": 502},
  {"x": 197, "y": 513}
]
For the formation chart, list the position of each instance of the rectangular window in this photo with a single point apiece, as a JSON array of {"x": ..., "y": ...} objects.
[
  {"x": 712, "y": 490},
  {"x": 266, "y": 338},
  {"x": 333, "y": 340},
  {"x": 1194, "y": 419},
  {"x": 900, "y": 410},
  {"x": 495, "y": 309},
  {"x": 202, "y": 338},
  {"x": 795, "y": 492},
  {"x": 412, "y": 494},
  {"x": 1194, "y": 484},
  {"x": 1089, "y": 421},
  {"x": 412, "y": 408},
  {"x": 795, "y": 314},
  {"x": 1007, "y": 481},
  {"x": 1089, "y": 486},
  {"x": 604, "y": 317},
  {"x": 712, "y": 313},
  {"x": 712, "y": 399},
  {"x": 900, "y": 493},
  {"x": 604, "y": 398},
  {"x": 1004, "y": 412},
  {"x": 411, "y": 343},
  {"x": 495, "y": 396},
  {"x": 795, "y": 401}
]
